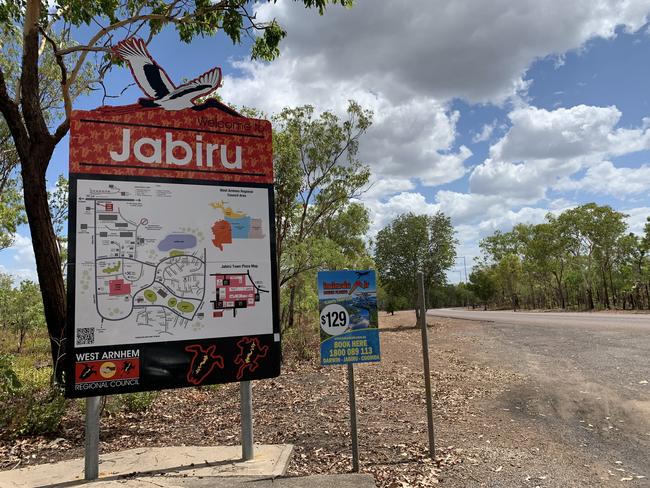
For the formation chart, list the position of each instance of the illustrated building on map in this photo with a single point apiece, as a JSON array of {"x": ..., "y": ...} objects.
[{"x": 233, "y": 291}]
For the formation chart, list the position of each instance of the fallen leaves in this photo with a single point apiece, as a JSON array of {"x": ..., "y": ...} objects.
[{"x": 308, "y": 406}]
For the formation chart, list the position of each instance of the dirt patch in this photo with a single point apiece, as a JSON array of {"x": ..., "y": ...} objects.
[{"x": 480, "y": 441}]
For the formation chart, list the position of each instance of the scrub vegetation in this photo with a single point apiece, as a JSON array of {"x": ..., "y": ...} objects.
[{"x": 581, "y": 259}]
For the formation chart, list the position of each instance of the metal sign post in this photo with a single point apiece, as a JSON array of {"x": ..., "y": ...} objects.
[
  {"x": 425, "y": 360},
  {"x": 91, "y": 465},
  {"x": 246, "y": 395},
  {"x": 353, "y": 419},
  {"x": 349, "y": 329}
]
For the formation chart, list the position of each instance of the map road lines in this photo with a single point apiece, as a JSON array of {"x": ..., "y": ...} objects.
[{"x": 147, "y": 266}]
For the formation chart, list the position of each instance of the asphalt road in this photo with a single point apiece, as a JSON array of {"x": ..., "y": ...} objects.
[
  {"x": 597, "y": 320},
  {"x": 588, "y": 379}
]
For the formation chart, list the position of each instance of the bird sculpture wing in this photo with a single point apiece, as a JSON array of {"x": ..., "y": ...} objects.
[
  {"x": 149, "y": 76},
  {"x": 201, "y": 86}
]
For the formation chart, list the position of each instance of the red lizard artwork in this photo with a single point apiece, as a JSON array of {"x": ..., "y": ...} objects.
[
  {"x": 202, "y": 363},
  {"x": 250, "y": 352}
]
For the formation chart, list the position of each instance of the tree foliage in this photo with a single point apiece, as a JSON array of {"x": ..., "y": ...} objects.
[
  {"x": 12, "y": 212},
  {"x": 413, "y": 243},
  {"x": 22, "y": 308},
  {"x": 318, "y": 175},
  {"x": 581, "y": 259}
]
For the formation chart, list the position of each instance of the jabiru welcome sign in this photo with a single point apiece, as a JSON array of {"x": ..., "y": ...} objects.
[{"x": 172, "y": 274}]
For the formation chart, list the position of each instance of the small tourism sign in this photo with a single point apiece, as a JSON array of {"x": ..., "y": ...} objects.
[
  {"x": 349, "y": 328},
  {"x": 172, "y": 266}
]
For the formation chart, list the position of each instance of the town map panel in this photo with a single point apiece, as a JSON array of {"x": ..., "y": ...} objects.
[
  {"x": 150, "y": 268},
  {"x": 173, "y": 284}
]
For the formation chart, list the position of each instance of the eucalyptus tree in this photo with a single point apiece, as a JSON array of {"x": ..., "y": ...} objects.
[
  {"x": 593, "y": 231},
  {"x": 12, "y": 210},
  {"x": 318, "y": 175},
  {"x": 582, "y": 257},
  {"x": 79, "y": 34},
  {"x": 505, "y": 252},
  {"x": 483, "y": 284},
  {"x": 412, "y": 243}
]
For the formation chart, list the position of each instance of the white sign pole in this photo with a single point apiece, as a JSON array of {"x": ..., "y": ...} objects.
[
  {"x": 91, "y": 465},
  {"x": 246, "y": 395}
]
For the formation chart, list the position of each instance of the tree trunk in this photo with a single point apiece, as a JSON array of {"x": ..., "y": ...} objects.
[
  {"x": 611, "y": 288},
  {"x": 606, "y": 295},
  {"x": 590, "y": 299},
  {"x": 559, "y": 290},
  {"x": 46, "y": 250},
  {"x": 34, "y": 145},
  {"x": 21, "y": 340},
  {"x": 291, "y": 307}
]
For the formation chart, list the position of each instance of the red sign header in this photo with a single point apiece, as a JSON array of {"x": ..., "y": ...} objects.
[{"x": 193, "y": 144}]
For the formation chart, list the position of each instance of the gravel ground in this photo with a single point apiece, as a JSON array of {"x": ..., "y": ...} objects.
[
  {"x": 493, "y": 423},
  {"x": 580, "y": 416}
]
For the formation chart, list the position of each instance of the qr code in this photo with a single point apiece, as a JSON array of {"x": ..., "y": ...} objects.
[{"x": 86, "y": 335}]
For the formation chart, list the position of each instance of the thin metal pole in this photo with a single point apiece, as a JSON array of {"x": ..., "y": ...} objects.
[
  {"x": 353, "y": 419},
  {"x": 425, "y": 360},
  {"x": 246, "y": 394},
  {"x": 91, "y": 466}
]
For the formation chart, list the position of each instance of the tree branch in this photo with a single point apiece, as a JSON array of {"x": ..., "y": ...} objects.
[
  {"x": 300, "y": 270},
  {"x": 65, "y": 88},
  {"x": 170, "y": 16},
  {"x": 29, "y": 82},
  {"x": 61, "y": 130},
  {"x": 11, "y": 114}
]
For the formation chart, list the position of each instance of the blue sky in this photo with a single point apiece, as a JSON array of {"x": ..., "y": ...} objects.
[{"x": 491, "y": 112}]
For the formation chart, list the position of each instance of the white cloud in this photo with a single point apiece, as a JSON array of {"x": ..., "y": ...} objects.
[
  {"x": 507, "y": 220},
  {"x": 467, "y": 207},
  {"x": 472, "y": 49},
  {"x": 563, "y": 133},
  {"x": 406, "y": 60},
  {"x": 445, "y": 168},
  {"x": 385, "y": 187},
  {"x": 525, "y": 182},
  {"x": 20, "y": 274},
  {"x": 544, "y": 148},
  {"x": 637, "y": 219},
  {"x": 507, "y": 180},
  {"x": 382, "y": 213},
  {"x": 413, "y": 139},
  {"x": 567, "y": 133},
  {"x": 19, "y": 260},
  {"x": 605, "y": 178},
  {"x": 486, "y": 132},
  {"x": 23, "y": 252}
]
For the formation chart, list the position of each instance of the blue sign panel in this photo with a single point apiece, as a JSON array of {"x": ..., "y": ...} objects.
[{"x": 349, "y": 329}]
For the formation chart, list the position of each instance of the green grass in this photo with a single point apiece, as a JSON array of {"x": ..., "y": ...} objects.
[
  {"x": 34, "y": 407},
  {"x": 37, "y": 408},
  {"x": 33, "y": 364}
]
